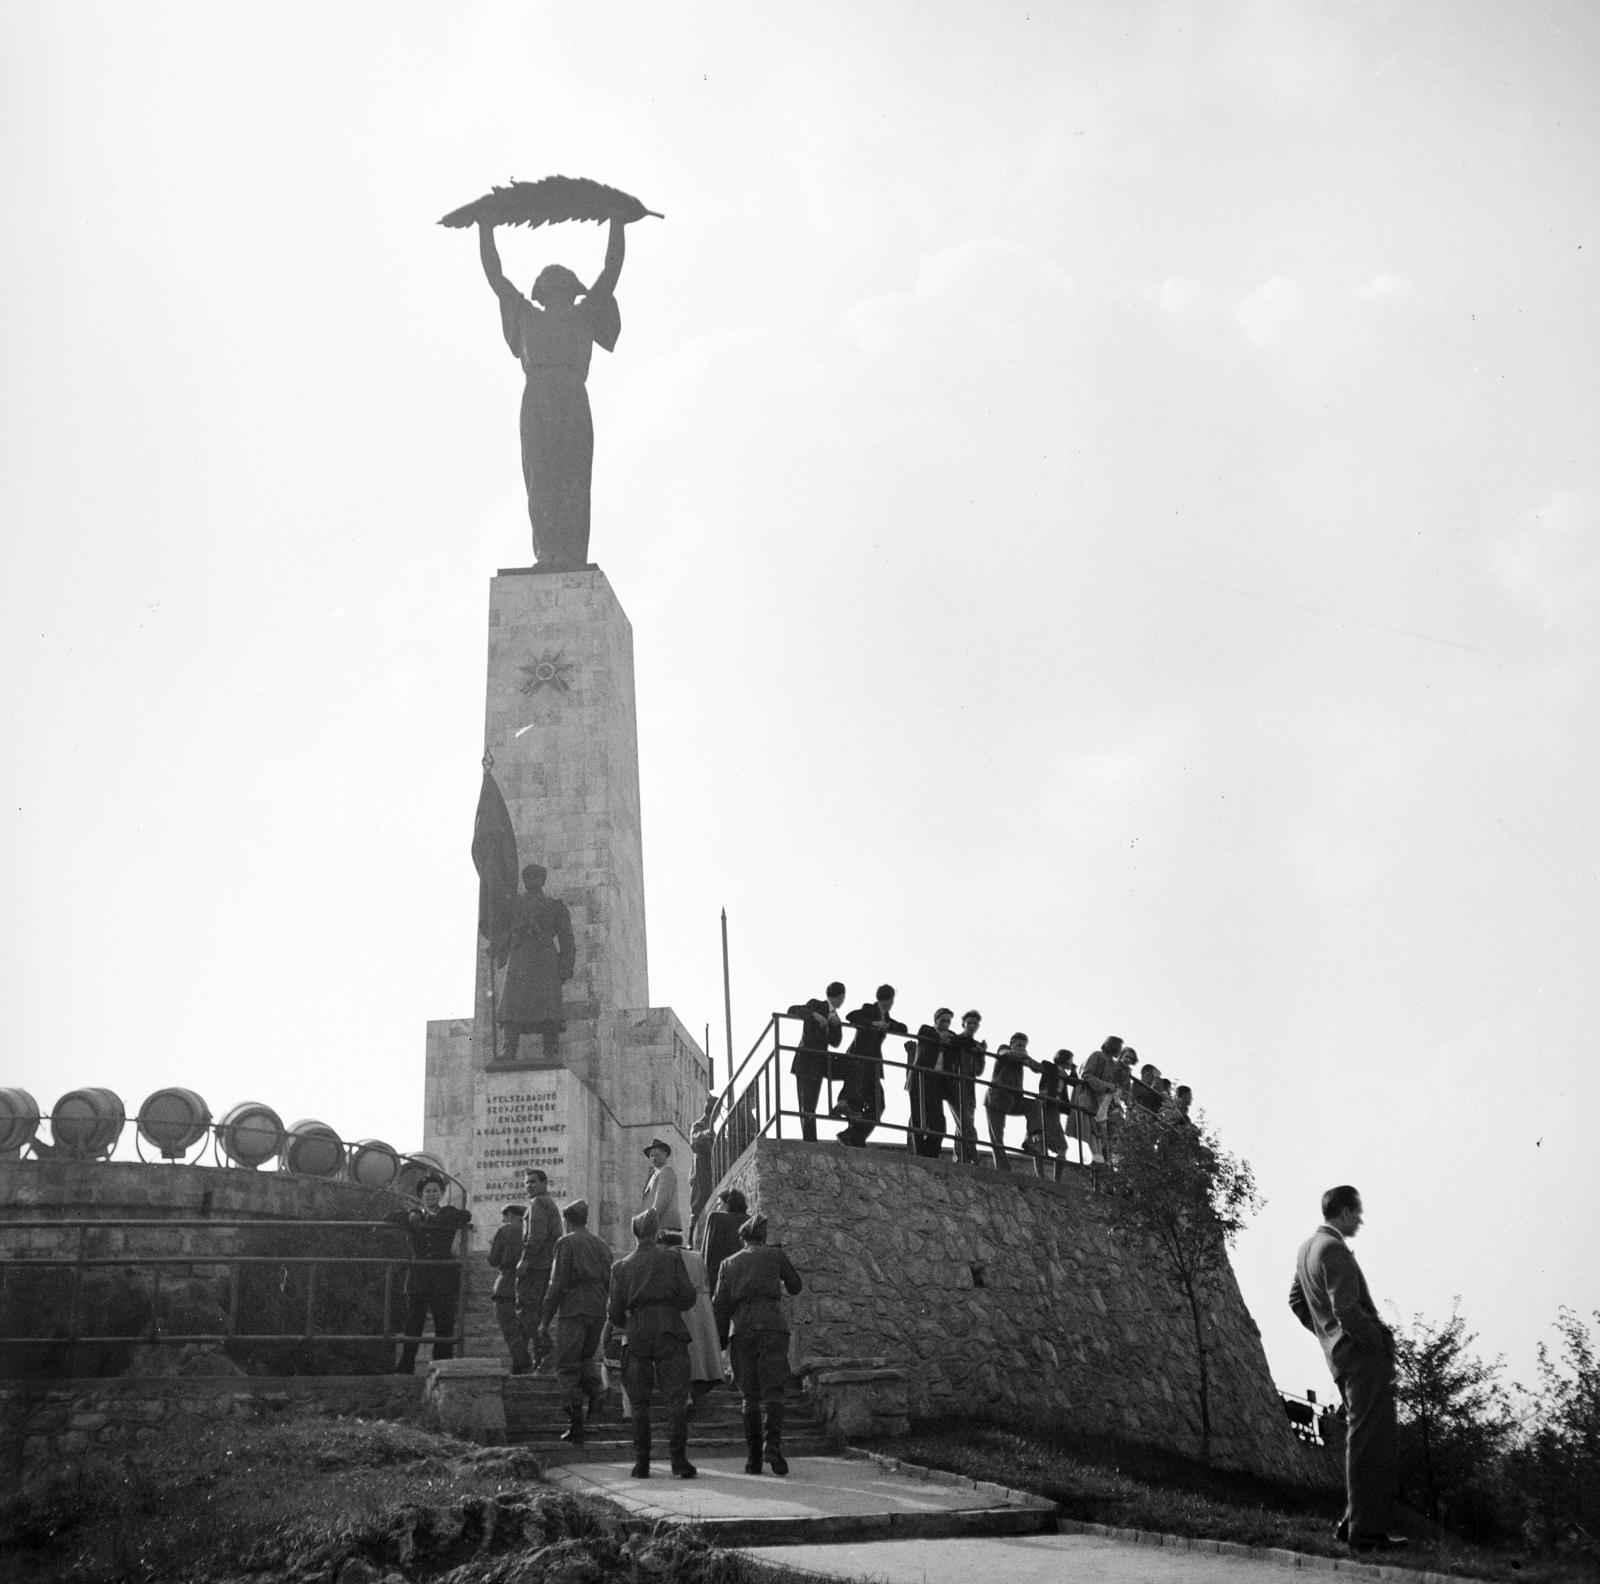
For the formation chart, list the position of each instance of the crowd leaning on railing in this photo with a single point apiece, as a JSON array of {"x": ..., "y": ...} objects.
[{"x": 1070, "y": 1115}]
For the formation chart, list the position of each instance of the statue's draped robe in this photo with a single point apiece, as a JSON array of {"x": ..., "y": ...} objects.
[
  {"x": 554, "y": 347},
  {"x": 543, "y": 953}
]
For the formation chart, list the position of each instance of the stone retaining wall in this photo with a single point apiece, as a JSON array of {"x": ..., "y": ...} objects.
[
  {"x": 45, "y": 1427},
  {"x": 1003, "y": 1294}
]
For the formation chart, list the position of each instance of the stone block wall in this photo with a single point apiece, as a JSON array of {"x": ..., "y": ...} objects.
[
  {"x": 45, "y": 1428},
  {"x": 1000, "y": 1293}
]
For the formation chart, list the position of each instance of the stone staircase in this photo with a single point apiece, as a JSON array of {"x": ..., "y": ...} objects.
[{"x": 536, "y": 1416}]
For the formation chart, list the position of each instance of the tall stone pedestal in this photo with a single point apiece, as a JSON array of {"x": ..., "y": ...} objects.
[{"x": 560, "y": 723}]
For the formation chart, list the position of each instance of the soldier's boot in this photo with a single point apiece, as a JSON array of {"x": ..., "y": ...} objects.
[
  {"x": 641, "y": 1446},
  {"x": 752, "y": 1440},
  {"x": 678, "y": 1442},
  {"x": 775, "y": 1457},
  {"x": 574, "y": 1430}
]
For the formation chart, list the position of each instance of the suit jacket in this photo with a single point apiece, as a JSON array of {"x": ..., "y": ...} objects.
[
  {"x": 504, "y": 1252},
  {"x": 1330, "y": 1299},
  {"x": 813, "y": 1037},
  {"x": 868, "y": 1041},
  {"x": 661, "y": 1195}
]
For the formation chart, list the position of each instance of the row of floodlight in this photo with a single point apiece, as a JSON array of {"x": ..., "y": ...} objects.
[{"x": 85, "y": 1124}]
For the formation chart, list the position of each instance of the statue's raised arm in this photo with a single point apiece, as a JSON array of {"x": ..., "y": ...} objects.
[{"x": 552, "y": 332}]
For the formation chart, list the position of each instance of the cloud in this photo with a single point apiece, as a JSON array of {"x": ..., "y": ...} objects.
[
  {"x": 1550, "y": 563},
  {"x": 1184, "y": 299},
  {"x": 1269, "y": 309},
  {"x": 989, "y": 269},
  {"x": 1384, "y": 287}
]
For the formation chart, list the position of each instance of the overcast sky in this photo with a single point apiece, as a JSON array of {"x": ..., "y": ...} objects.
[{"x": 1106, "y": 496}]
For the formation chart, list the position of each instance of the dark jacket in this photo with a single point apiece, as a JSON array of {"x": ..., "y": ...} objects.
[
  {"x": 432, "y": 1237},
  {"x": 579, "y": 1279},
  {"x": 650, "y": 1289},
  {"x": 815, "y": 1040},
  {"x": 750, "y": 1289},
  {"x": 868, "y": 1041},
  {"x": 504, "y": 1251},
  {"x": 541, "y": 1233}
]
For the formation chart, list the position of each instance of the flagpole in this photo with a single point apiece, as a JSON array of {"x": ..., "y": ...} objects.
[{"x": 727, "y": 993}]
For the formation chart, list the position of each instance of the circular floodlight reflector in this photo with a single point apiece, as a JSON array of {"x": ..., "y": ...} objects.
[
  {"x": 250, "y": 1134},
  {"x": 174, "y": 1121},
  {"x": 312, "y": 1149},
  {"x": 19, "y": 1120},
  {"x": 86, "y": 1123},
  {"x": 373, "y": 1164}
]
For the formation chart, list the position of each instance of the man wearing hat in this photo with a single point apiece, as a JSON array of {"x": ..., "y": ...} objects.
[
  {"x": 433, "y": 1279},
  {"x": 504, "y": 1252},
  {"x": 576, "y": 1301},
  {"x": 750, "y": 1324},
  {"x": 661, "y": 1187},
  {"x": 541, "y": 955},
  {"x": 650, "y": 1289}
]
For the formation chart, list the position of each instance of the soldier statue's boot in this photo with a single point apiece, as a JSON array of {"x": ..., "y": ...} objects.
[
  {"x": 574, "y": 1430},
  {"x": 641, "y": 1446},
  {"x": 775, "y": 1458},
  {"x": 752, "y": 1440}
]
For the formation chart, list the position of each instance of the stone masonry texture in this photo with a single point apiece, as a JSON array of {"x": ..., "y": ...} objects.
[{"x": 1001, "y": 1294}]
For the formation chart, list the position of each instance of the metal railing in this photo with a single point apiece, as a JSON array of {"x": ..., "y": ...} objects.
[
  {"x": 761, "y": 1100},
  {"x": 150, "y": 1272}
]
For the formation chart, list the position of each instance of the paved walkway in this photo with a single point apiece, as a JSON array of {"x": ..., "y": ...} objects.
[
  {"x": 821, "y": 1499},
  {"x": 1022, "y": 1559},
  {"x": 865, "y": 1518}
]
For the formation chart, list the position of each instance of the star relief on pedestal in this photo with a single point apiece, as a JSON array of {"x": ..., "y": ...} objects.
[{"x": 547, "y": 670}]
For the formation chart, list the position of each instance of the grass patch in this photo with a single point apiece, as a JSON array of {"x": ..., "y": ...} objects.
[
  {"x": 335, "y": 1501},
  {"x": 1100, "y": 1480}
]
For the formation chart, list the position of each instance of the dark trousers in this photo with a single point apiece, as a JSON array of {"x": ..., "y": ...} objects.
[
  {"x": 1001, "y": 1104},
  {"x": 862, "y": 1098},
  {"x": 928, "y": 1091},
  {"x": 531, "y": 1283},
  {"x": 431, "y": 1288},
  {"x": 577, "y": 1356},
  {"x": 1365, "y": 1378},
  {"x": 810, "y": 1068},
  {"x": 961, "y": 1095},
  {"x": 516, "y": 1339},
  {"x": 658, "y": 1364},
  {"x": 760, "y": 1361}
]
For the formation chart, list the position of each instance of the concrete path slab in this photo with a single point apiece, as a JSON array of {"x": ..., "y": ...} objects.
[
  {"x": 1022, "y": 1559},
  {"x": 831, "y": 1498}
]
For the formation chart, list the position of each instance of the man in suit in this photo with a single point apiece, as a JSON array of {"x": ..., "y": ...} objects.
[
  {"x": 862, "y": 1097},
  {"x": 930, "y": 1087},
  {"x": 1329, "y": 1297},
  {"x": 820, "y": 1032},
  {"x": 661, "y": 1187}
]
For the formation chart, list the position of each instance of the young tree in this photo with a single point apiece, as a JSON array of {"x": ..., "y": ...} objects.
[
  {"x": 1175, "y": 1189},
  {"x": 1455, "y": 1422},
  {"x": 1557, "y": 1468}
]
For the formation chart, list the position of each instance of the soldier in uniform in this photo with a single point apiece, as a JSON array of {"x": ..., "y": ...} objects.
[
  {"x": 750, "y": 1324},
  {"x": 542, "y": 955},
  {"x": 650, "y": 1289},
  {"x": 576, "y": 1301},
  {"x": 433, "y": 1281},
  {"x": 543, "y": 1232},
  {"x": 504, "y": 1252}
]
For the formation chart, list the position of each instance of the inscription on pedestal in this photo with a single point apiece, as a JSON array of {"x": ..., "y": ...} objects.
[{"x": 528, "y": 1119}]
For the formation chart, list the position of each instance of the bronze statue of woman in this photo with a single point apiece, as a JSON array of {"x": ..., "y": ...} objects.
[{"x": 552, "y": 332}]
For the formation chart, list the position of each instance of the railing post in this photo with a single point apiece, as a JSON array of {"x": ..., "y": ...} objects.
[
  {"x": 77, "y": 1293},
  {"x": 311, "y": 1299},
  {"x": 233, "y": 1298}
]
